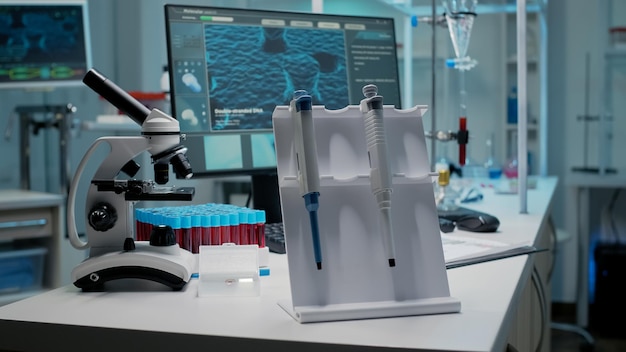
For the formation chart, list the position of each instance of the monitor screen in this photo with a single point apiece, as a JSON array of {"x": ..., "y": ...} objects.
[
  {"x": 43, "y": 43},
  {"x": 229, "y": 69}
]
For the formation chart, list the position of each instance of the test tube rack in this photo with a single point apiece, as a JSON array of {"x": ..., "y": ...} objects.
[{"x": 356, "y": 281}]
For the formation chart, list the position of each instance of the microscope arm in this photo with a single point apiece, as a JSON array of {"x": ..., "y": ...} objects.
[{"x": 123, "y": 149}]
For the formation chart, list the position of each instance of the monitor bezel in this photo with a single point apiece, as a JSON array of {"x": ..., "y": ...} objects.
[{"x": 255, "y": 171}]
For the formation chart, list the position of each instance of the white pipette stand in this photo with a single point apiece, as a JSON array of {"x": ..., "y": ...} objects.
[{"x": 356, "y": 281}]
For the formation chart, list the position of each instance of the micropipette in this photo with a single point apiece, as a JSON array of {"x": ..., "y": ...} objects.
[
  {"x": 306, "y": 159},
  {"x": 380, "y": 170}
]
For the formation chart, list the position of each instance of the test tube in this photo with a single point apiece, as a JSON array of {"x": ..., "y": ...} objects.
[
  {"x": 185, "y": 224},
  {"x": 216, "y": 238},
  {"x": 175, "y": 222},
  {"x": 138, "y": 224},
  {"x": 196, "y": 232},
  {"x": 234, "y": 228},
  {"x": 259, "y": 228},
  {"x": 245, "y": 227},
  {"x": 206, "y": 229},
  {"x": 224, "y": 228},
  {"x": 146, "y": 229},
  {"x": 146, "y": 226}
]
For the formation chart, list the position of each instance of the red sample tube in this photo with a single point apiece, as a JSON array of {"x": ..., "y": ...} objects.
[
  {"x": 224, "y": 228},
  {"x": 245, "y": 228},
  {"x": 206, "y": 230},
  {"x": 175, "y": 222},
  {"x": 259, "y": 228},
  {"x": 185, "y": 224},
  {"x": 234, "y": 228},
  {"x": 196, "y": 233},
  {"x": 138, "y": 224},
  {"x": 216, "y": 238}
]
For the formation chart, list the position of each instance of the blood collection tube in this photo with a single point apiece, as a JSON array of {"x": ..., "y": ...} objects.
[
  {"x": 185, "y": 224},
  {"x": 224, "y": 228},
  {"x": 234, "y": 228},
  {"x": 259, "y": 228},
  {"x": 174, "y": 221},
  {"x": 216, "y": 238},
  {"x": 244, "y": 227},
  {"x": 196, "y": 233},
  {"x": 145, "y": 228},
  {"x": 155, "y": 219},
  {"x": 138, "y": 224},
  {"x": 206, "y": 230}
]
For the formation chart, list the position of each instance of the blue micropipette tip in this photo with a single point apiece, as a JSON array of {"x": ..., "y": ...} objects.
[{"x": 312, "y": 204}]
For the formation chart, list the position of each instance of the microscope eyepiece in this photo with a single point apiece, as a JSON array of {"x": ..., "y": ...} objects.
[{"x": 116, "y": 96}]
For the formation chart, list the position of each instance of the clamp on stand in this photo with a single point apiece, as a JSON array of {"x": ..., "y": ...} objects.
[{"x": 461, "y": 136}]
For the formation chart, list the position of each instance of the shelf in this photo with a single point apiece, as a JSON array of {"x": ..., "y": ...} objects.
[
  {"x": 424, "y": 7},
  {"x": 615, "y": 53},
  {"x": 513, "y": 127},
  {"x": 531, "y": 61}
]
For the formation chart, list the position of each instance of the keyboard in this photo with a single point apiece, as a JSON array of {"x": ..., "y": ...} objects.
[
  {"x": 275, "y": 238},
  {"x": 456, "y": 214}
]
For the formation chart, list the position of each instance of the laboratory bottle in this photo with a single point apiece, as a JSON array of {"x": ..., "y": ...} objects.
[
  {"x": 493, "y": 167},
  {"x": 165, "y": 88},
  {"x": 511, "y": 106}
]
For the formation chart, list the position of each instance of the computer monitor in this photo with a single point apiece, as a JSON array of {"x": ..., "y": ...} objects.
[
  {"x": 43, "y": 44},
  {"x": 229, "y": 68}
]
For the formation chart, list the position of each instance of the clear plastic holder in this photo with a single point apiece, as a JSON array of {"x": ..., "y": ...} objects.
[{"x": 228, "y": 270}]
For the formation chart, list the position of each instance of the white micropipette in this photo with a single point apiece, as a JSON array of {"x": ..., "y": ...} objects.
[
  {"x": 380, "y": 170},
  {"x": 306, "y": 158}
]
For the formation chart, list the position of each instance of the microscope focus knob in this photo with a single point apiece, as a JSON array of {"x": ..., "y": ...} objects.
[
  {"x": 162, "y": 236},
  {"x": 102, "y": 217}
]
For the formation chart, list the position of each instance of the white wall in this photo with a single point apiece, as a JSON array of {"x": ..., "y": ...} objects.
[{"x": 576, "y": 28}]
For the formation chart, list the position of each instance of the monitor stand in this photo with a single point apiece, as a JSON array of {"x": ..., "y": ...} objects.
[{"x": 265, "y": 196}]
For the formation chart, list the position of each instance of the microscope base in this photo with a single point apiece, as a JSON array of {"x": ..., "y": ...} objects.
[{"x": 170, "y": 266}]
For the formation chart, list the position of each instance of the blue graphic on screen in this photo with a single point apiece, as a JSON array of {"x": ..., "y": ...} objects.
[
  {"x": 253, "y": 69},
  {"x": 41, "y": 43},
  {"x": 222, "y": 152},
  {"x": 263, "y": 148}
]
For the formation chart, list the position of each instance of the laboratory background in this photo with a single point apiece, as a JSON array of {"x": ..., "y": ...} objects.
[{"x": 575, "y": 81}]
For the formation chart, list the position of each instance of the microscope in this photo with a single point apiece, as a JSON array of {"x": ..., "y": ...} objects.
[{"x": 113, "y": 252}]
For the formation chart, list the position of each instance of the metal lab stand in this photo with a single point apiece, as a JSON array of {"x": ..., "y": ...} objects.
[{"x": 57, "y": 116}]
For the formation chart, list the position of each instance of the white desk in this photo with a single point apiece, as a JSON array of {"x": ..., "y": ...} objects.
[
  {"x": 579, "y": 189},
  {"x": 491, "y": 295}
]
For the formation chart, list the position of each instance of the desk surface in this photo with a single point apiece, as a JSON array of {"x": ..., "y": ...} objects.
[
  {"x": 18, "y": 199},
  {"x": 72, "y": 320}
]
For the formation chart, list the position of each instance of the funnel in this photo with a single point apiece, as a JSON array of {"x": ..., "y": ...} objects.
[{"x": 460, "y": 17}]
